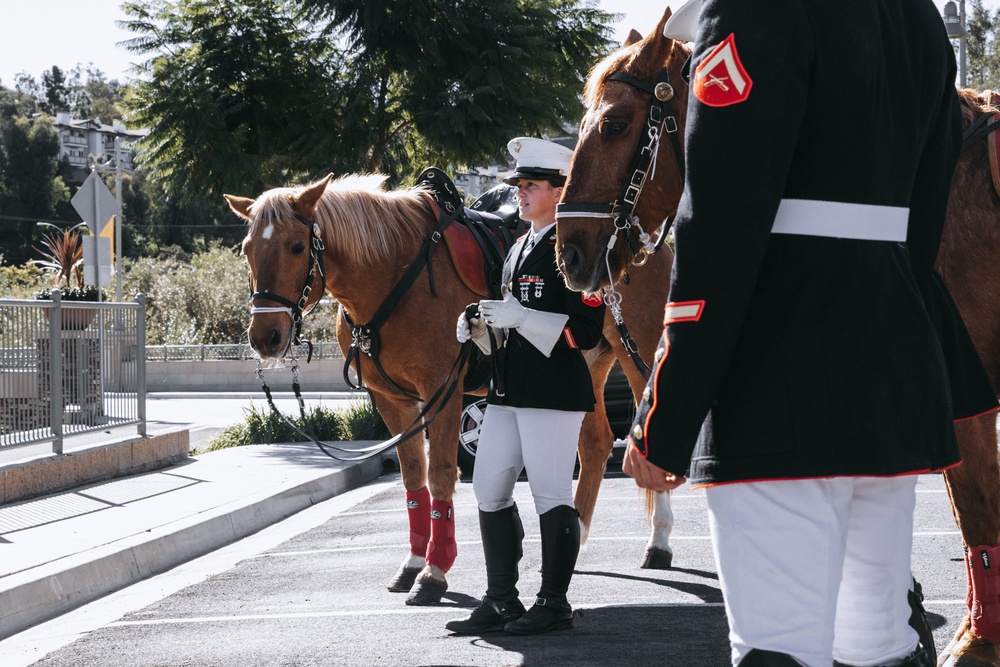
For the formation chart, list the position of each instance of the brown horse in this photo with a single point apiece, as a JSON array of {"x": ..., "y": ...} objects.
[
  {"x": 616, "y": 122},
  {"x": 363, "y": 239}
]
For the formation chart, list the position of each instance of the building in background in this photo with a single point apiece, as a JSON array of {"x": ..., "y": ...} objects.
[{"x": 84, "y": 142}]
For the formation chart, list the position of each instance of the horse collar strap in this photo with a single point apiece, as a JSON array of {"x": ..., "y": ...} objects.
[{"x": 365, "y": 337}]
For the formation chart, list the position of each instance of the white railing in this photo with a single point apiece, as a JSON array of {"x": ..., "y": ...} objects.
[{"x": 91, "y": 380}]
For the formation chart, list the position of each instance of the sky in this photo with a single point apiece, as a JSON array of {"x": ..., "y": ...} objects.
[{"x": 37, "y": 34}]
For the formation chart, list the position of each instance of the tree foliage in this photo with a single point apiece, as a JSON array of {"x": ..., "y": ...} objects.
[
  {"x": 233, "y": 92},
  {"x": 30, "y": 184},
  {"x": 238, "y": 95},
  {"x": 983, "y": 47}
]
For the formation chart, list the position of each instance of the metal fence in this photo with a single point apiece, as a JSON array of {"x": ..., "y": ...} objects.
[
  {"x": 232, "y": 351},
  {"x": 90, "y": 380}
]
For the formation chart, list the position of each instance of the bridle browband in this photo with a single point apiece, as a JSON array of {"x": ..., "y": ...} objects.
[
  {"x": 296, "y": 309},
  {"x": 622, "y": 211},
  {"x": 659, "y": 120}
]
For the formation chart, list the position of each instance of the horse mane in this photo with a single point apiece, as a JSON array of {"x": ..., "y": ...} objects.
[
  {"x": 974, "y": 104},
  {"x": 632, "y": 58},
  {"x": 357, "y": 216}
]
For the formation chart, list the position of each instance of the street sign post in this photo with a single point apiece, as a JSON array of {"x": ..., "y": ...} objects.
[{"x": 94, "y": 202}]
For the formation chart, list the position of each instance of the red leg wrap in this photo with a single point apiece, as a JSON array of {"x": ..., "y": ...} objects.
[
  {"x": 442, "y": 549},
  {"x": 418, "y": 509},
  {"x": 983, "y": 565}
]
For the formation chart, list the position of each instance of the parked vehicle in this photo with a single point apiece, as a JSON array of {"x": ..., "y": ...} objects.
[{"x": 618, "y": 402}]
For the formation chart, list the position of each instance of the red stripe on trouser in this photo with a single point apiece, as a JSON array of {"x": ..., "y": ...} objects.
[
  {"x": 983, "y": 565},
  {"x": 418, "y": 510},
  {"x": 442, "y": 548}
]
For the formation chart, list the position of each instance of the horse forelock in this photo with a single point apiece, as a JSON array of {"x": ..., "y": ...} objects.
[{"x": 636, "y": 59}]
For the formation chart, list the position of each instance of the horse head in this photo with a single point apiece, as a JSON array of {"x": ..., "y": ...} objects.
[
  {"x": 284, "y": 250},
  {"x": 635, "y": 97}
]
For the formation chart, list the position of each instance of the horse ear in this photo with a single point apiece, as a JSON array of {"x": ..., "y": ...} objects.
[
  {"x": 634, "y": 37},
  {"x": 667, "y": 13},
  {"x": 309, "y": 197},
  {"x": 240, "y": 205}
]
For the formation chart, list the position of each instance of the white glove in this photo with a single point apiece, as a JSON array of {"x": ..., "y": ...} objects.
[
  {"x": 506, "y": 314},
  {"x": 478, "y": 332},
  {"x": 540, "y": 328}
]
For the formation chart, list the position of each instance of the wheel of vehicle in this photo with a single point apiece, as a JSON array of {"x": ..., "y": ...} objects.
[{"x": 468, "y": 434}]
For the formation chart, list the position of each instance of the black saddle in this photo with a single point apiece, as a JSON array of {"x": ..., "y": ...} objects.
[
  {"x": 492, "y": 232},
  {"x": 501, "y": 200}
]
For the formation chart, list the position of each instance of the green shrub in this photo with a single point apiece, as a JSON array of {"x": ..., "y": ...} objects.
[
  {"x": 362, "y": 422},
  {"x": 359, "y": 421},
  {"x": 21, "y": 282}
]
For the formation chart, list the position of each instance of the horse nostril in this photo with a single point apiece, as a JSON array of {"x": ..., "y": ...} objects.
[
  {"x": 275, "y": 339},
  {"x": 570, "y": 258}
]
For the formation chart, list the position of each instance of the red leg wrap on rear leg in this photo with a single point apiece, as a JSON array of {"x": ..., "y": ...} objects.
[
  {"x": 983, "y": 566},
  {"x": 442, "y": 549},
  {"x": 418, "y": 510}
]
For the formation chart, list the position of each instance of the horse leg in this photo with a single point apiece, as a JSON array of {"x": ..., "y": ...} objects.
[
  {"x": 442, "y": 473},
  {"x": 659, "y": 555},
  {"x": 975, "y": 498},
  {"x": 413, "y": 468},
  {"x": 596, "y": 441}
]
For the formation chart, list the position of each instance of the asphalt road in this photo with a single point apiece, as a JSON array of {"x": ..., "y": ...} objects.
[{"x": 311, "y": 591}]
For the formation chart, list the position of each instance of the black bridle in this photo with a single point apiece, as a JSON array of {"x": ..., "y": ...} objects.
[
  {"x": 659, "y": 120},
  {"x": 296, "y": 309}
]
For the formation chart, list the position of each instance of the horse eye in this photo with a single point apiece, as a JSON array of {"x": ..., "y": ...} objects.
[
  {"x": 613, "y": 128},
  {"x": 298, "y": 248}
]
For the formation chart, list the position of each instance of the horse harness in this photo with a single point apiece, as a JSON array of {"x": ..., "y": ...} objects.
[
  {"x": 659, "y": 120},
  {"x": 985, "y": 127},
  {"x": 295, "y": 309},
  {"x": 365, "y": 338}
]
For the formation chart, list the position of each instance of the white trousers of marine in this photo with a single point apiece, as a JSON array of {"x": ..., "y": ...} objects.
[
  {"x": 818, "y": 569},
  {"x": 543, "y": 442}
]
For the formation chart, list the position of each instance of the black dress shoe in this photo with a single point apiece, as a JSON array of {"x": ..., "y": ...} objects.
[
  {"x": 490, "y": 616},
  {"x": 545, "y": 615}
]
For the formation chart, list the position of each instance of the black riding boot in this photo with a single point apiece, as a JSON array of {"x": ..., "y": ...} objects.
[
  {"x": 918, "y": 621},
  {"x": 926, "y": 653},
  {"x": 560, "y": 529},
  {"x": 502, "y": 535},
  {"x": 758, "y": 658}
]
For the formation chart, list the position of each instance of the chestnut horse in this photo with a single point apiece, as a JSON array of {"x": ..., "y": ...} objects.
[
  {"x": 362, "y": 240},
  {"x": 617, "y": 120}
]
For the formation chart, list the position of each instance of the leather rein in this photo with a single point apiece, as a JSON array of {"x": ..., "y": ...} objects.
[
  {"x": 364, "y": 338},
  {"x": 660, "y": 120}
]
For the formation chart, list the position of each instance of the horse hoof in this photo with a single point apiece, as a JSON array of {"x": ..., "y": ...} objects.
[
  {"x": 658, "y": 559},
  {"x": 969, "y": 650},
  {"x": 428, "y": 591},
  {"x": 403, "y": 580}
]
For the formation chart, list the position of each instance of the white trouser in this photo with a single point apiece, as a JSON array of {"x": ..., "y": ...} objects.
[
  {"x": 818, "y": 569},
  {"x": 512, "y": 439}
]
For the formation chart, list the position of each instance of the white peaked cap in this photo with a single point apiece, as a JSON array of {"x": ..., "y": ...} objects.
[
  {"x": 683, "y": 24},
  {"x": 538, "y": 159}
]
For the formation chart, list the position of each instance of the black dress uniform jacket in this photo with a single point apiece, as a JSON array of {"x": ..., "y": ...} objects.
[
  {"x": 807, "y": 351},
  {"x": 562, "y": 380}
]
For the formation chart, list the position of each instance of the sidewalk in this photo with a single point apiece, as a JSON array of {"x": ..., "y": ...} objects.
[{"x": 63, "y": 550}]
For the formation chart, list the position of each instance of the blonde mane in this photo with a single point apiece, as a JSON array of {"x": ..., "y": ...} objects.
[{"x": 357, "y": 217}]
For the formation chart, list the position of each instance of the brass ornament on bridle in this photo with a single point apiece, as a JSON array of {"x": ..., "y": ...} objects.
[{"x": 663, "y": 91}]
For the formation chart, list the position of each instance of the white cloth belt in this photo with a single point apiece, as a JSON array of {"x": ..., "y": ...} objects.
[{"x": 840, "y": 220}]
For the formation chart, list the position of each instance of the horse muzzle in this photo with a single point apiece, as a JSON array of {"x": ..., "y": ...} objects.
[
  {"x": 584, "y": 272},
  {"x": 270, "y": 335}
]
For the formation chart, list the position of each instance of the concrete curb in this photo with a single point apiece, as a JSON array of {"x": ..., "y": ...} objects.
[{"x": 37, "y": 595}]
